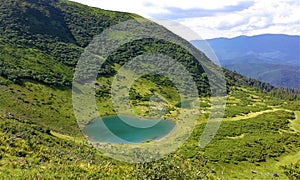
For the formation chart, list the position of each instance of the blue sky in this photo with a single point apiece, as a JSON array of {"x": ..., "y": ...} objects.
[{"x": 216, "y": 18}]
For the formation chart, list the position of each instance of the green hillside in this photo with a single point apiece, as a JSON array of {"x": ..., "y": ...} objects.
[
  {"x": 40, "y": 44},
  {"x": 42, "y": 40},
  {"x": 259, "y": 133},
  {"x": 276, "y": 74}
]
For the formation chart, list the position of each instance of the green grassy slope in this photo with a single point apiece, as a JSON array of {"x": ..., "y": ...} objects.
[
  {"x": 42, "y": 40},
  {"x": 241, "y": 145},
  {"x": 38, "y": 131},
  {"x": 29, "y": 151}
]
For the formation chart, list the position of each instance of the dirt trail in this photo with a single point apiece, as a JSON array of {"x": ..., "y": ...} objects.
[{"x": 252, "y": 115}]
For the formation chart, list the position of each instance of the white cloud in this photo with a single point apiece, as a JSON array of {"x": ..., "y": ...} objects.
[
  {"x": 147, "y": 8},
  {"x": 277, "y": 16},
  {"x": 260, "y": 17}
]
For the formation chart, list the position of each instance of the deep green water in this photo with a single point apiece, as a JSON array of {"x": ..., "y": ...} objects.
[{"x": 114, "y": 130}]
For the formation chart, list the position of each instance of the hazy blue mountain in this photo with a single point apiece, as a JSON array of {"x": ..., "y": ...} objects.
[{"x": 273, "y": 58}]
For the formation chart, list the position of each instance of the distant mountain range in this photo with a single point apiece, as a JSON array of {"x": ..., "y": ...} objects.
[{"x": 273, "y": 58}]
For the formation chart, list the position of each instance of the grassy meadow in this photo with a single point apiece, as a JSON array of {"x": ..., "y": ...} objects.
[{"x": 259, "y": 134}]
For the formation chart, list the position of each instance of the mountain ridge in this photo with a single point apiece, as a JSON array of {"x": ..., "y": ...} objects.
[{"x": 274, "y": 53}]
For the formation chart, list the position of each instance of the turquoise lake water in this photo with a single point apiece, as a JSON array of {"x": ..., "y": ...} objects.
[{"x": 113, "y": 129}]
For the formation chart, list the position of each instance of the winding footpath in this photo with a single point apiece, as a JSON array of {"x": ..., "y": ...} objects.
[{"x": 253, "y": 114}]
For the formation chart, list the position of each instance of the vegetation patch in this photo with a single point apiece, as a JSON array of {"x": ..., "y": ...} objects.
[{"x": 295, "y": 123}]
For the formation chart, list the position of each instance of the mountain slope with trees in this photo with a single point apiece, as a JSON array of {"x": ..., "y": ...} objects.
[{"x": 40, "y": 44}]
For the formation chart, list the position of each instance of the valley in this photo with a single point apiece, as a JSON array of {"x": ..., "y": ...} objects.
[
  {"x": 251, "y": 138},
  {"x": 41, "y": 138}
]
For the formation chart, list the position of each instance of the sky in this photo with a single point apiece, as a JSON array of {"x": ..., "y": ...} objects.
[{"x": 216, "y": 18}]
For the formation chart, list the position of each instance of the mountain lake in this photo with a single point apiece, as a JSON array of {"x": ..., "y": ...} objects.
[{"x": 127, "y": 130}]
